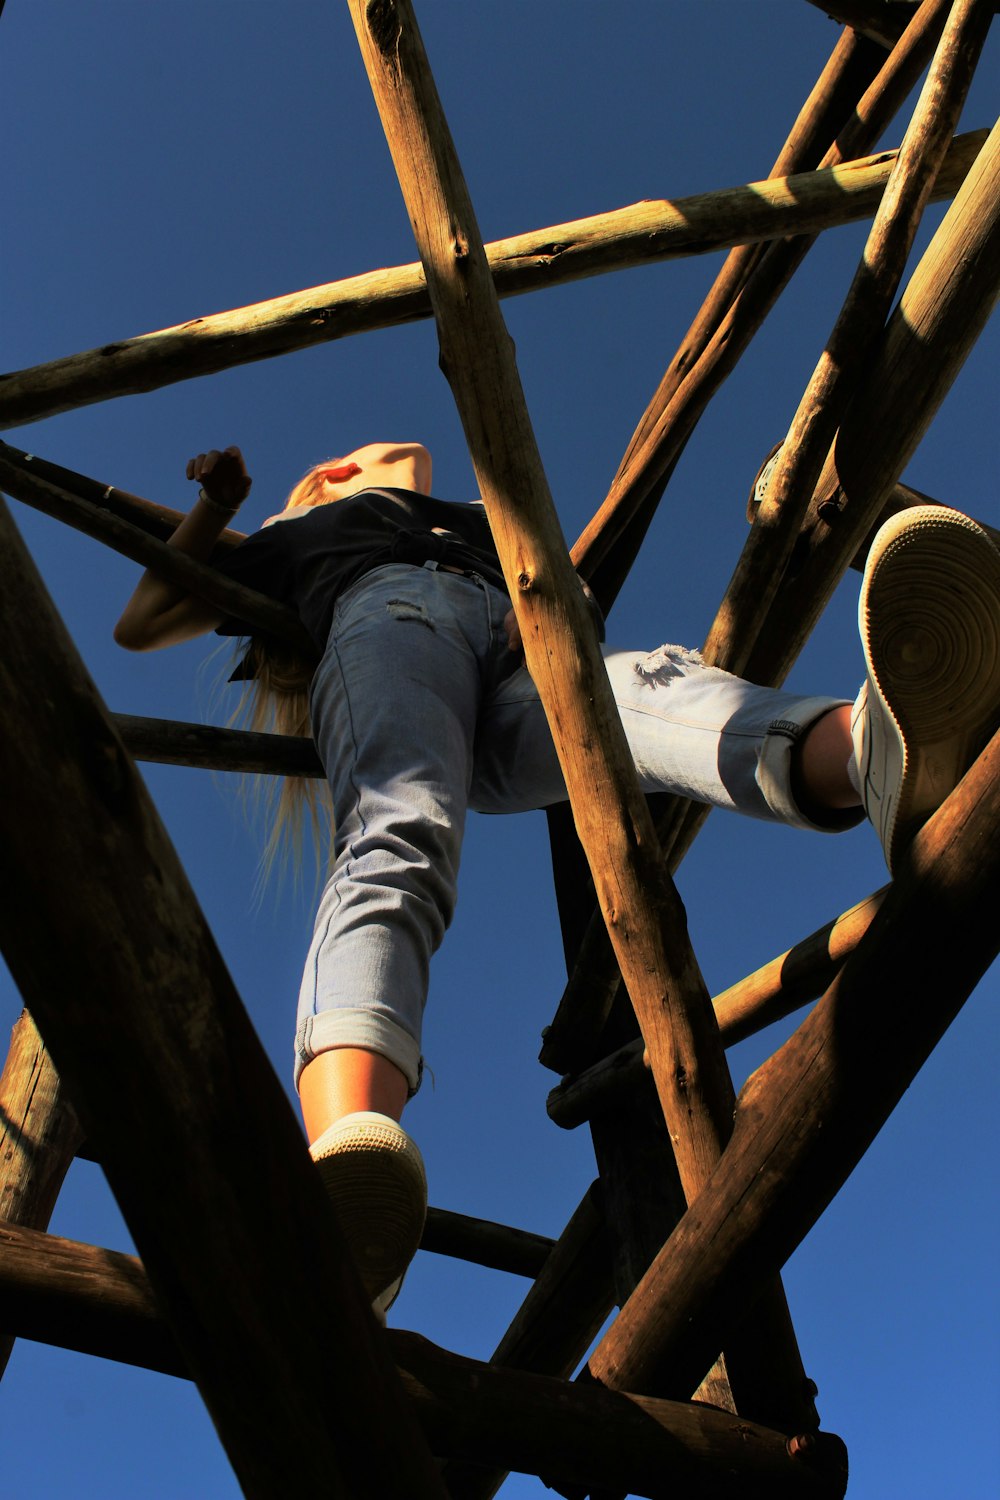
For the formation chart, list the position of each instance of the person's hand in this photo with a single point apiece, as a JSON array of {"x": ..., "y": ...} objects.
[
  {"x": 223, "y": 477},
  {"x": 514, "y": 642}
]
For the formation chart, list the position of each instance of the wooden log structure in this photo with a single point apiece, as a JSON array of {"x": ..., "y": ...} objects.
[
  {"x": 101, "y": 1302},
  {"x": 801, "y": 203},
  {"x": 177, "y": 1096},
  {"x": 774, "y": 991},
  {"x": 860, "y": 322},
  {"x": 644, "y": 915},
  {"x": 608, "y": 545},
  {"x": 694, "y": 1264},
  {"x": 39, "y": 1135},
  {"x": 810, "y": 1112},
  {"x": 941, "y": 313}
]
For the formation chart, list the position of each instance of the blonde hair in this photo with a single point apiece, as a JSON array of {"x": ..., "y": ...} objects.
[{"x": 275, "y": 700}]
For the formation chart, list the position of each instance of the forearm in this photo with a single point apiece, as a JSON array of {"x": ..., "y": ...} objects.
[{"x": 161, "y": 613}]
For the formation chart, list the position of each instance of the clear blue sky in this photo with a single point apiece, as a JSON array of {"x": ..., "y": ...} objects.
[{"x": 167, "y": 158}]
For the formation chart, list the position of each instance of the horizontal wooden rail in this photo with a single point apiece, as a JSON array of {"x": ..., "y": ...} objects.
[
  {"x": 771, "y": 993},
  {"x": 485, "y": 1243},
  {"x": 170, "y": 742},
  {"x": 804, "y": 203},
  {"x": 100, "y": 1302}
]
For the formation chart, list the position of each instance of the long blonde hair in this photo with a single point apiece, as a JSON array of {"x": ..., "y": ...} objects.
[{"x": 275, "y": 700}]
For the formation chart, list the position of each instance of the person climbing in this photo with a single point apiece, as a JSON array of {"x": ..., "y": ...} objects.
[{"x": 421, "y": 708}]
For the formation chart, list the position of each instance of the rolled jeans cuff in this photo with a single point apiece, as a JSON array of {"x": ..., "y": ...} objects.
[
  {"x": 774, "y": 767},
  {"x": 331, "y": 1029}
]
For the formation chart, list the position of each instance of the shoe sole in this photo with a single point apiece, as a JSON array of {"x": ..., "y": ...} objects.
[
  {"x": 375, "y": 1181},
  {"x": 930, "y": 624}
]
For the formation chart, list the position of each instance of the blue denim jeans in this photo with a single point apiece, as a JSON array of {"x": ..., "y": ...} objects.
[{"x": 420, "y": 712}]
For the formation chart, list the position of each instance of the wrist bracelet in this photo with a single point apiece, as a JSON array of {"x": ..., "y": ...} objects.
[{"x": 220, "y": 510}]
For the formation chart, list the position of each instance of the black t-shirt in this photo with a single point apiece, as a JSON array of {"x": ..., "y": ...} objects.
[{"x": 309, "y": 557}]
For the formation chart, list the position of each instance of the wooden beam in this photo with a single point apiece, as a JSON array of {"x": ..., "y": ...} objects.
[
  {"x": 169, "y": 742},
  {"x": 860, "y": 322},
  {"x": 658, "y": 229},
  {"x": 644, "y": 914},
  {"x": 555, "y": 1325},
  {"x": 799, "y": 603},
  {"x": 99, "y": 1301},
  {"x": 39, "y": 1134},
  {"x": 806, "y": 1117},
  {"x": 852, "y": 65},
  {"x": 105, "y": 940},
  {"x": 485, "y": 1243},
  {"x": 940, "y": 315},
  {"x": 685, "y": 391},
  {"x": 771, "y": 993}
]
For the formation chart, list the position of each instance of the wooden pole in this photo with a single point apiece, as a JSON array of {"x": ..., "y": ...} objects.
[
  {"x": 39, "y": 1135},
  {"x": 852, "y": 65},
  {"x": 771, "y": 993},
  {"x": 167, "y": 742},
  {"x": 779, "y": 518},
  {"x": 644, "y": 915},
  {"x": 940, "y": 315},
  {"x": 637, "y": 235},
  {"x": 107, "y": 944},
  {"x": 678, "y": 404},
  {"x": 808, "y": 1115}
]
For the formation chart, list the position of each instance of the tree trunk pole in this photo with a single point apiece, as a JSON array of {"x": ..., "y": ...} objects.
[
  {"x": 39, "y": 1136},
  {"x": 111, "y": 952},
  {"x": 644, "y": 915},
  {"x": 808, "y": 1115}
]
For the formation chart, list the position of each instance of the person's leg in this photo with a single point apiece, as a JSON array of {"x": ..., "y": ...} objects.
[
  {"x": 929, "y": 615},
  {"x": 693, "y": 730},
  {"x": 346, "y": 1080},
  {"x": 394, "y": 703}
]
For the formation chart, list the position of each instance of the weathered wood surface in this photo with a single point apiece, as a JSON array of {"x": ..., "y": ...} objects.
[
  {"x": 771, "y": 993},
  {"x": 100, "y": 1302},
  {"x": 135, "y": 542},
  {"x": 486, "y": 1243},
  {"x": 850, "y": 69},
  {"x": 806, "y": 1118},
  {"x": 941, "y": 313},
  {"x": 606, "y": 547},
  {"x": 658, "y": 229},
  {"x": 800, "y": 461},
  {"x": 112, "y": 955},
  {"x": 555, "y": 1325},
  {"x": 170, "y": 742},
  {"x": 644, "y": 914},
  {"x": 39, "y": 1134}
]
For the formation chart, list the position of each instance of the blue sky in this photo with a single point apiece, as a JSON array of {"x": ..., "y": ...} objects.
[{"x": 169, "y": 158}]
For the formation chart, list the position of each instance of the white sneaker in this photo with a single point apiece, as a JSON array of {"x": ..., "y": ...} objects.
[
  {"x": 929, "y": 617},
  {"x": 374, "y": 1176}
]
